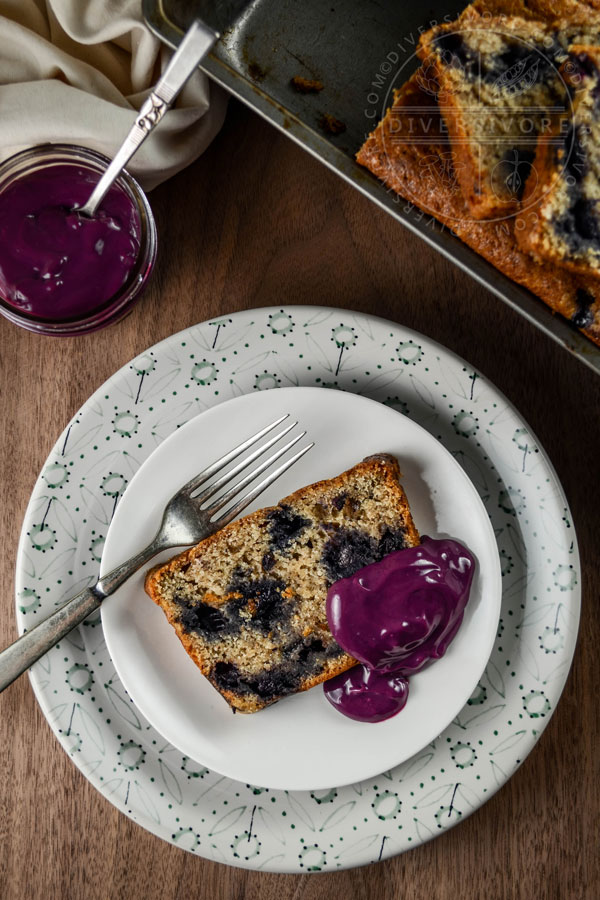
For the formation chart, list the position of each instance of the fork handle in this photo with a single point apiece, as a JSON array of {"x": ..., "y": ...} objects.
[{"x": 27, "y": 649}]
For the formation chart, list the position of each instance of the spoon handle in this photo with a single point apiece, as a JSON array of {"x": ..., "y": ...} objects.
[{"x": 195, "y": 45}]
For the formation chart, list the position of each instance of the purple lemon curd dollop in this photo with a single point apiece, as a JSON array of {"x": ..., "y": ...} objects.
[
  {"x": 55, "y": 263},
  {"x": 394, "y": 617},
  {"x": 366, "y": 694}
]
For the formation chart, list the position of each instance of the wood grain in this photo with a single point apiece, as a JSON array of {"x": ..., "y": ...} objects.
[{"x": 257, "y": 222}]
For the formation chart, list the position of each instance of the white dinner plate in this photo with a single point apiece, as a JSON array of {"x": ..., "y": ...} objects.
[
  {"x": 193, "y": 807},
  {"x": 301, "y": 743}
]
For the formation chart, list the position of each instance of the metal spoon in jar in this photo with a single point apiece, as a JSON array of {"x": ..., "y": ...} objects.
[{"x": 195, "y": 45}]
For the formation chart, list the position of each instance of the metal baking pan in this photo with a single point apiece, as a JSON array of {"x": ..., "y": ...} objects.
[{"x": 359, "y": 50}]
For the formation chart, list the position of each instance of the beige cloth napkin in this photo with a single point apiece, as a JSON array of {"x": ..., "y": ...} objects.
[{"x": 76, "y": 71}]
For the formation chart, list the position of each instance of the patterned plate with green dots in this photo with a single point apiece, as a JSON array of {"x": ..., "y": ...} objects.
[{"x": 242, "y": 824}]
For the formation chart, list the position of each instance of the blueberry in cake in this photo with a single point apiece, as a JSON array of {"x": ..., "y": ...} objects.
[
  {"x": 499, "y": 88},
  {"x": 562, "y": 202},
  {"x": 248, "y": 603}
]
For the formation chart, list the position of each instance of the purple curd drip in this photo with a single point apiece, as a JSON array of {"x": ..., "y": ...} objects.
[
  {"x": 366, "y": 694},
  {"x": 394, "y": 617},
  {"x": 55, "y": 263}
]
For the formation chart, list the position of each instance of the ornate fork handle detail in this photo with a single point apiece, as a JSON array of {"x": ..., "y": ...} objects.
[
  {"x": 195, "y": 45},
  {"x": 152, "y": 111}
]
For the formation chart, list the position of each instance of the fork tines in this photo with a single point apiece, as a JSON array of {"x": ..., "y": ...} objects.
[{"x": 234, "y": 492}]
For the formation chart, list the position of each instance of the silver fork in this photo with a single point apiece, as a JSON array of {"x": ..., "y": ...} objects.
[{"x": 186, "y": 520}]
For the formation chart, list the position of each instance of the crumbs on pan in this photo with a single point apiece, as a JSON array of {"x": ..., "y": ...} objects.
[
  {"x": 306, "y": 85},
  {"x": 331, "y": 125},
  {"x": 255, "y": 71}
]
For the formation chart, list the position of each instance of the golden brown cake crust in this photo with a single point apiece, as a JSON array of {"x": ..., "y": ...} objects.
[
  {"x": 575, "y": 11},
  {"x": 252, "y": 659},
  {"x": 422, "y": 173}
]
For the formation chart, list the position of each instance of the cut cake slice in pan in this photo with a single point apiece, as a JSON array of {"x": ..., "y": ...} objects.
[
  {"x": 562, "y": 199},
  {"x": 499, "y": 88},
  {"x": 409, "y": 151}
]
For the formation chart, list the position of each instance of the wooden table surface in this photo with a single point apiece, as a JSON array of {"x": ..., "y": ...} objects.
[{"x": 257, "y": 222}]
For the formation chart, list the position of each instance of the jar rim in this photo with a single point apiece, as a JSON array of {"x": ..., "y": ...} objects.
[{"x": 119, "y": 303}]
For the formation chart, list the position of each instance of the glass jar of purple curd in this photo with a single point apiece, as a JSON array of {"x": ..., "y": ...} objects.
[{"x": 63, "y": 273}]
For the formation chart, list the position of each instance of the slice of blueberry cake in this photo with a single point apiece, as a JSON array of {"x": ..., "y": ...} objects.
[
  {"x": 562, "y": 201},
  {"x": 499, "y": 88},
  {"x": 248, "y": 603}
]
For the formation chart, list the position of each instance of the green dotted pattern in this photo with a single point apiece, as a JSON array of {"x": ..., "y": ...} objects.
[{"x": 245, "y": 825}]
